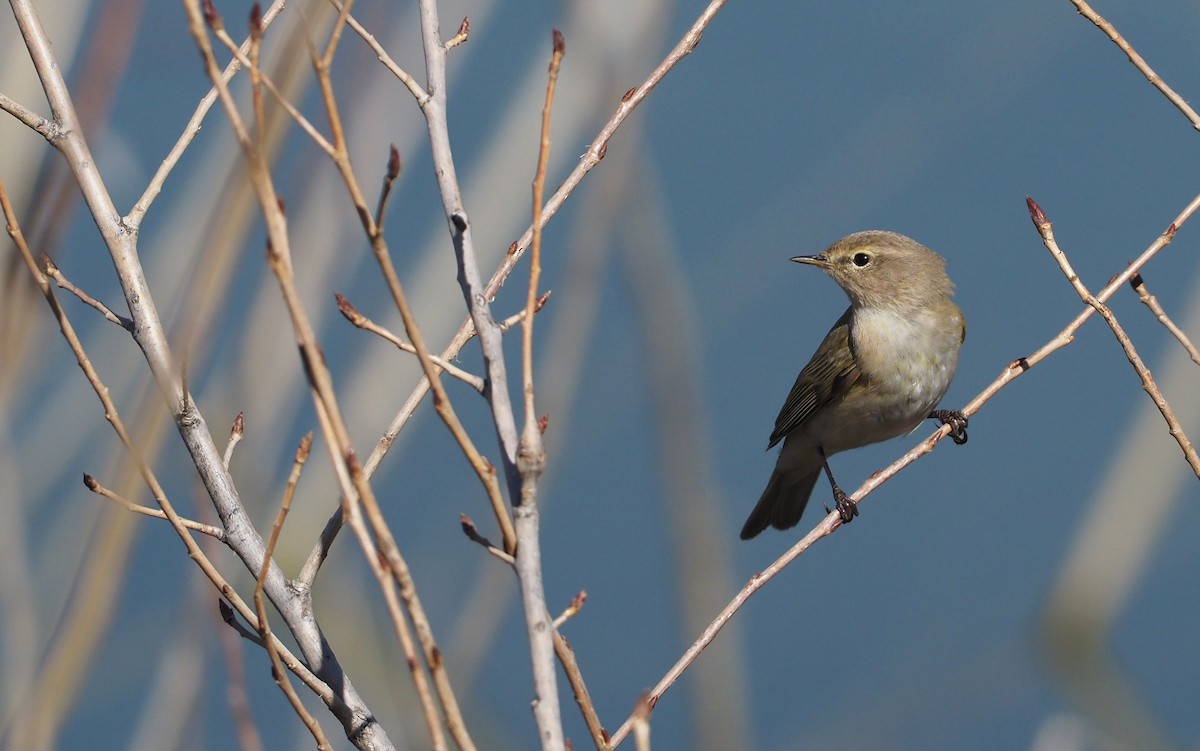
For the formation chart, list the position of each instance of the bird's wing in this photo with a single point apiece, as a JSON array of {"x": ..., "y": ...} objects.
[{"x": 828, "y": 375}]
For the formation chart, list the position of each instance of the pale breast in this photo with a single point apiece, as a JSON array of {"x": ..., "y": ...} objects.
[{"x": 910, "y": 358}]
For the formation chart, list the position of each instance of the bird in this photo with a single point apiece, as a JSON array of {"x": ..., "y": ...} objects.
[{"x": 879, "y": 373}]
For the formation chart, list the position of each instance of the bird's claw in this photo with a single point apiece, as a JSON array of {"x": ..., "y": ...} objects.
[
  {"x": 846, "y": 508},
  {"x": 957, "y": 422}
]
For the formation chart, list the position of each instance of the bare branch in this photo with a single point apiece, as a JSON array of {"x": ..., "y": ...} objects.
[
  {"x": 235, "y": 437},
  {"x": 35, "y": 122},
  {"x": 1111, "y": 32},
  {"x": 1046, "y": 230},
  {"x": 61, "y": 280},
  {"x": 264, "y": 626},
  {"x": 93, "y": 485},
  {"x": 409, "y": 82},
  {"x": 135, "y": 216},
  {"x": 472, "y": 532},
  {"x": 572, "y": 610},
  {"x": 1151, "y": 302},
  {"x": 832, "y": 521},
  {"x": 352, "y": 314},
  {"x": 319, "y": 687}
]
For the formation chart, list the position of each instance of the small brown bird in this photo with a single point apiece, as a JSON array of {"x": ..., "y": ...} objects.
[{"x": 879, "y": 373}]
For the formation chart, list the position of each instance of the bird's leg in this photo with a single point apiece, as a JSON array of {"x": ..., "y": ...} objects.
[
  {"x": 956, "y": 420},
  {"x": 846, "y": 508}
]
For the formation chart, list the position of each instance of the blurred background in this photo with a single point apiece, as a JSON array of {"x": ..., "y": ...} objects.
[{"x": 1034, "y": 589}]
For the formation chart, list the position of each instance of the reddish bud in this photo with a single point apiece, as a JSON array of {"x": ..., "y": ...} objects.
[
  {"x": 210, "y": 16},
  {"x": 541, "y": 301},
  {"x": 239, "y": 424},
  {"x": 464, "y": 28},
  {"x": 305, "y": 447},
  {"x": 90, "y": 482},
  {"x": 393, "y": 167},
  {"x": 603, "y": 150},
  {"x": 1171, "y": 232},
  {"x": 628, "y": 95},
  {"x": 346, "y": 308},
  {"x": 1035, "y": 213},
  {"x": 543, "y": 423},
  {"x": 560, "y": 44},
  {"x": 256, "y": 21},
  {"x": 512, "y": 249},
  {"x": 282, "y": 206}
]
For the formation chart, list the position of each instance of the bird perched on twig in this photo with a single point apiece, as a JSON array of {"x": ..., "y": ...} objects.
[{"x": 881, "y": 370}]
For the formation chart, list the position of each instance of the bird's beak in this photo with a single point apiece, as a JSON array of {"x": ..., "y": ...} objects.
[{"x": 818, "y": 260}]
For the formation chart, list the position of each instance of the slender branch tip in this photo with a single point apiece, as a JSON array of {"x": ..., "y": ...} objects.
[
  {"x": 1035, "y": 213},
  {"x": 211, "y": 17},
  {"x": 256, "y": 21},
  {"x": 393, "y": 166}
]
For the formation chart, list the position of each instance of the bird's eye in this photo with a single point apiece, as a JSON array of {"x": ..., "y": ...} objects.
[{"x": 861, "y": 259}]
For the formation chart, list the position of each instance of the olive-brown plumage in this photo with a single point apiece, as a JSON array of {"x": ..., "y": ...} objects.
[{"x": 879, "y": 372}]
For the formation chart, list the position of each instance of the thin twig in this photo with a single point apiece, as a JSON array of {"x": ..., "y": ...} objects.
[
  {"x": 135, "y": 216},
  {"x": 597, "y": 150},
  {"x": 235, "y": 437},
  {"x": 531, "y": 460},
  {"x": 61, "y": 280},
  {"x": 94, "y": 485},
  {"x": 1111, "y": 32},
  {"x": 1046, "y": 230},
  {"x": 230, "y": 616},
  {"x": 389, "y": 183},
  {"x": 832, "y": 521},
  {"x": 472, "y": 532},
  {"x": 264, "y": 626},
  {"x": 379, "y": 247},
  {"x": 535, "y": 257},
  {"x": 572, "y": 609},
  {"x": 583, "y": 698},
  {"x": 260, "y": 77},
  {"x": 356, "y": 489},
  {"x": 409, "y": 82},
  {"x": 562, "y": 648},
  {"x": 354, "y": 316},
  {"x": 360, "y": 724},
  {"x": 45, "y": 128},
  {"x": 1151, "y": 302},
  {"x": 319, "y": 687},
  {"x": 464, "y": 32}
]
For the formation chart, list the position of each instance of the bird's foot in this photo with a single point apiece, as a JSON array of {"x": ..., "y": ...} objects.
[
  {"x": 846, "y": 508},
  {"x": 956, "y": 420}
]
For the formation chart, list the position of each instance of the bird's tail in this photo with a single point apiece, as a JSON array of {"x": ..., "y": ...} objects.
[{"x": 782, "y": 503}]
